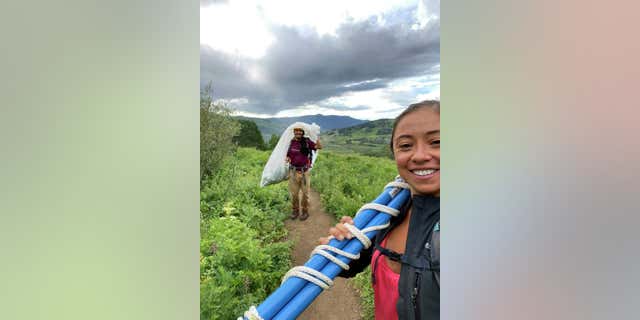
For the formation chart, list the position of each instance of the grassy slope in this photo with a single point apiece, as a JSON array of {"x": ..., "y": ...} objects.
[{"x": 371, "y": 138}]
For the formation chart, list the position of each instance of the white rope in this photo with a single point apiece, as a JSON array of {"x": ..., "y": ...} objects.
[
  {"x": 338, "y": 251},
  {"x": 379, "y": 207},
  {"x": 321, "y": 251},
  {"x": 374, "y": 228},
  {"x": 360, "y": 234},
  {"x": 251, "y": 314},
  {"x": 310, "y": 275},
  {"x": 332, "y": 258},
  {"x": 397, "y": 184}
]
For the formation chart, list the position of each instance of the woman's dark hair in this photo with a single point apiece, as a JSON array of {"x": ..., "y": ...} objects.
[
  {"x": 432, "y": 104},
  {"x": 304, "y": 147}
]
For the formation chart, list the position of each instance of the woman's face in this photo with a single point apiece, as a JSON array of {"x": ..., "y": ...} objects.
[{"x": 416, "y": 149}]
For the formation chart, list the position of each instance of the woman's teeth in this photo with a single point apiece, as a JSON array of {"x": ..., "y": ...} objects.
[{"x": 423, "y": 172}]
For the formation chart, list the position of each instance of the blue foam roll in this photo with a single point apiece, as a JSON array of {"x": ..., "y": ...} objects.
[
  {"x": 287, "y": 290},
  {"x": 305, "y": 297}
]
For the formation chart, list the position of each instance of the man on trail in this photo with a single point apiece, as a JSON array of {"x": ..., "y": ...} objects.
[{"x": 299, "y": 159}]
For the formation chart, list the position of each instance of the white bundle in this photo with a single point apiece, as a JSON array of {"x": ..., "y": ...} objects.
[{"x": 276, "y": 168}]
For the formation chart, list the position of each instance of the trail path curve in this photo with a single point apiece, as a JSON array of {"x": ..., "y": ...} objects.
[{"x": 342, "y": 301}]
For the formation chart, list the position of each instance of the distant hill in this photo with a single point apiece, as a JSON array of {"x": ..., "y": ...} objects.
[
  {"x": 269, "y": 126},
  {"x": 370, "y": 138}
]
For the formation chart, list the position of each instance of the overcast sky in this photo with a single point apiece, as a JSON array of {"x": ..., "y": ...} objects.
[{"x": 365, "y": 59}]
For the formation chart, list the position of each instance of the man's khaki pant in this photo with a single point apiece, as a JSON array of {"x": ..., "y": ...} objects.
[{"x": 299, "y": 181}]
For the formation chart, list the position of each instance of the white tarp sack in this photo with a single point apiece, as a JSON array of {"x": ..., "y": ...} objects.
[{"x": 277, "y": 168}]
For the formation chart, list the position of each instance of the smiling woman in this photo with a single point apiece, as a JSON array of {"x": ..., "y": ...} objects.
[
  {"x": 405, "y": 261},
  {"x": 416, "y": 147}
]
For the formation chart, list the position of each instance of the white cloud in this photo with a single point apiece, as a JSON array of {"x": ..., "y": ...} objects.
[
  {"x": 415, "y": 83},
  {"x": 389, "y": 101},
  {"x": 235, "y": 28},
  {"x": 326, "y": 16},
  {"x": 309, "y": 109},
  {"x": 251, "y": 114},
  {"x": 355, "y": 84},
  {"x": 433, "y": 95}
]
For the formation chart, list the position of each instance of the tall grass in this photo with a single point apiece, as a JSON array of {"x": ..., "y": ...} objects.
[{"x": 345, "y": 183}]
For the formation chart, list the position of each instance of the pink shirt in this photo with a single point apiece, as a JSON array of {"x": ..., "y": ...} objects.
[
  {"x": 385, "y": 288},
  {"x": 297, "y": 158}
]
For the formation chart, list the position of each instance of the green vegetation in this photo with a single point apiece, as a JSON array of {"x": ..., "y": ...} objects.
[
  {"x": 249, "y": 135},
  {"x": 273, "y": 141},
  {"x": 217, "y": 129},
  {"x": 346, "y": 182},
  {"x": 370, "y": 138},
  {"x": 243, "y": 248}
]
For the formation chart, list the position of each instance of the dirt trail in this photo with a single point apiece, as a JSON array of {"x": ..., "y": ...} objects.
[{"x": 341, "y": 302}]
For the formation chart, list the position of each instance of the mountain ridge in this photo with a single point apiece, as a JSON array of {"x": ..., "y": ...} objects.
[{"x": 277, "y": 125}]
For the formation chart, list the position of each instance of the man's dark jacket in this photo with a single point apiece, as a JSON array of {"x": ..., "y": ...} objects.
[{"x": 419, "y": 284}]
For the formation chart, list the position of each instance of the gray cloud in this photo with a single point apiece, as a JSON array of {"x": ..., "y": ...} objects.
[{"x": 304, "y": 67}]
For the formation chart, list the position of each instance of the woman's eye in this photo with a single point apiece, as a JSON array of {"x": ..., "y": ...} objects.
[
  {"x": 435, "y": 142},
  {"x": 404, "y": 146}
]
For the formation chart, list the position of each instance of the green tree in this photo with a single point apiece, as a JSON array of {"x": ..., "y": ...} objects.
[
  {"x": 249, "y": 135},
  {"x": 217, "y": 130},
  {"x": 273, "y": 141}
]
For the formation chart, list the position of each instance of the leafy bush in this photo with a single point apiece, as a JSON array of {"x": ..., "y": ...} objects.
[
  {"x": 236, "y": 269},
  {"x": 243, "y": 247}
]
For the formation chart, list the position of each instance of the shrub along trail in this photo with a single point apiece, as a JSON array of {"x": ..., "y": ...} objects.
[{"x": 341, "y": 302}]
